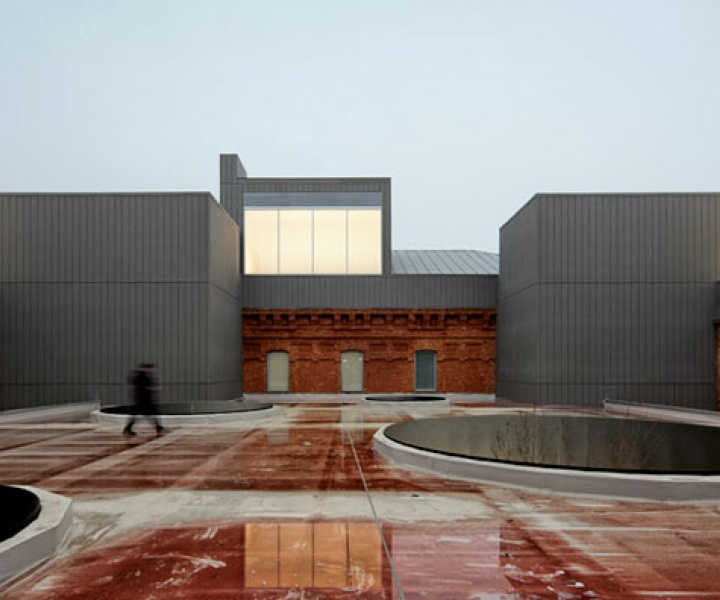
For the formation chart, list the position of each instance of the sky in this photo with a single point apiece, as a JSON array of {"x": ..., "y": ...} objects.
[{"x": 470, "y": 106}]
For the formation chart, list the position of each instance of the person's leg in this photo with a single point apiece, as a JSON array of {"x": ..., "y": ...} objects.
[
  {"x": 128, "y": 428},
  {"x": 150, "y": 412},
  {"x": 156, "y": 418}
]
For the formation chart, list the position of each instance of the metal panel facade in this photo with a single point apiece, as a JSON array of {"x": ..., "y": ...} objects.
[
  {"x": 103, "y": 237},
  {"x": 623, "y": 299},
  {"x": 224, "y": 342},
  {"x": 350, "y": 291},
  {"x": 517, "y": 345},
  {"x": 90, "y": 285}
]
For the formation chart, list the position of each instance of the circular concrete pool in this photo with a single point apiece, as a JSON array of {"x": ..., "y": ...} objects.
[
  {"x": 192, "y": 408},
  {"x": 596, "y": 455},
  {"x": 20, "y": 508},
  {"x": 405, "y": 398},
  {"x": 192, "y": 412}
]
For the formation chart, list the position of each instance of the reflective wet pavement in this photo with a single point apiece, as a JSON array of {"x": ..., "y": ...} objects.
[{"x": 297, "y": 506}]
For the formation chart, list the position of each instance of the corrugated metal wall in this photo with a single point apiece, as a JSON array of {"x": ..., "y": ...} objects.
[
  {"x": 348, "y": 291},
  {"x": 623, "y": 298},
  {"x": 517, "y": 344},
  {"x": 103, "y": 237},
  {"x": 224, "y": 346},
  {"x": 90, "y": 285}
]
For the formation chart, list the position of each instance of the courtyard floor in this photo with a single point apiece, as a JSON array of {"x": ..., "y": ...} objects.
[{"x": 296, "y": 506}]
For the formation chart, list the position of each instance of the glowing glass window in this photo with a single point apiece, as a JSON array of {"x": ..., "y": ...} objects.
[
  {"x": 364, "y": 241},
  {"x": 296, "y": 242},
  {"x": 313, "y": 241},
  {"x": 261, "y": 241},
  {"x": 330, "y": 247}
]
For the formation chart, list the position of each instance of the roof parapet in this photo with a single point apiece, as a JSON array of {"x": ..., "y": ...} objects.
[{"x": 231, "y": 168}]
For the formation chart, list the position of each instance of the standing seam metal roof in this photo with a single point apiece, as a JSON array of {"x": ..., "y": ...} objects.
[{"x": 445, "y": 262}]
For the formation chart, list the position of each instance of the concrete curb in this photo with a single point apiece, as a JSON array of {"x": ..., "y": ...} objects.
[
  {"x": 41, "y": 414},
  {"x": 666, "y": 413},
  {"x": 39, "y": 540}
]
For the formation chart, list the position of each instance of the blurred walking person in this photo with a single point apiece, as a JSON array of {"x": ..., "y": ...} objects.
[{"x": 145, "y": 388}]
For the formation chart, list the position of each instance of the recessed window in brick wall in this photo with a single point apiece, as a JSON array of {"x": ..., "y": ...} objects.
[
  {"x": 425, "y": 371},
  {"x": 352, "y": 371},
  {"x": 278, "y": 371}
]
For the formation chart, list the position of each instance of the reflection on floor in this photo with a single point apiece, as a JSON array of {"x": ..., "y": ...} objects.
[{"x": 297, "y": 506}]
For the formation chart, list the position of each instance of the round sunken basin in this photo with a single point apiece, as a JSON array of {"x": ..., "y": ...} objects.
[
  {"x": 20, "y": 507},
  {"x": 190, "y": 408},
  {"x": 588, "y": 455},
  {"x": 405, "y": 398},
  {"x": 191, "y": 412}
]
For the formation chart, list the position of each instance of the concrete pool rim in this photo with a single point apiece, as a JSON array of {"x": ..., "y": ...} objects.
[
  {"x": 40, "y": 539},
  {"x": 21, "y": 507},
  {"x": 209, "y": 413},
  {"x": 553, "y": 480},
  {"x": 405, "y": 398}
]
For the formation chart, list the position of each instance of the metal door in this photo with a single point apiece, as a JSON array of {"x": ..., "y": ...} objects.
[
  {"x": 351, "y": 371},
  {"x": 278, "y": 372},
  {"x": 425, "y": 367}
]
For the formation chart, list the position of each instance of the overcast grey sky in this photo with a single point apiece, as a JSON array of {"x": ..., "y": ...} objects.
[{"x": 471, "y": 106}]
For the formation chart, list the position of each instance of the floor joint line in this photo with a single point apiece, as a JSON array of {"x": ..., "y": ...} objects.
[{"x": 396, "y": 578}]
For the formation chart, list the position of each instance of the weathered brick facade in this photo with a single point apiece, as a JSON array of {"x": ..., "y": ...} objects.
[{"x": 463, "y": 339}]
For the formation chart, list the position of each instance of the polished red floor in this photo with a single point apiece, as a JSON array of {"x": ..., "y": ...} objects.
[{"x": 297, "y": 506}]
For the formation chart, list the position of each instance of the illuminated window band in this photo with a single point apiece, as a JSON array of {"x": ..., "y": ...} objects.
[{"x": 299, "y": 233}]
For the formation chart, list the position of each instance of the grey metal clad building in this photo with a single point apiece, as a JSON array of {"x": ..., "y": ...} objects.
[
  {"x": 609, "y": 296},
  {"x": 93, "y": 284},
  {"x": 407, "y": 278},
  {"x": 598, "y": 296}
]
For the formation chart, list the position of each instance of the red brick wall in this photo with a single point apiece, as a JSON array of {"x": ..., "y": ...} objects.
[{"x": 463, "y": 339}]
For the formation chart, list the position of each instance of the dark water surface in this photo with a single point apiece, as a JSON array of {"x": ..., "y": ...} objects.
[
  {"x": 194, "y": 408},
  {"x": 575, "y": 442}
]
